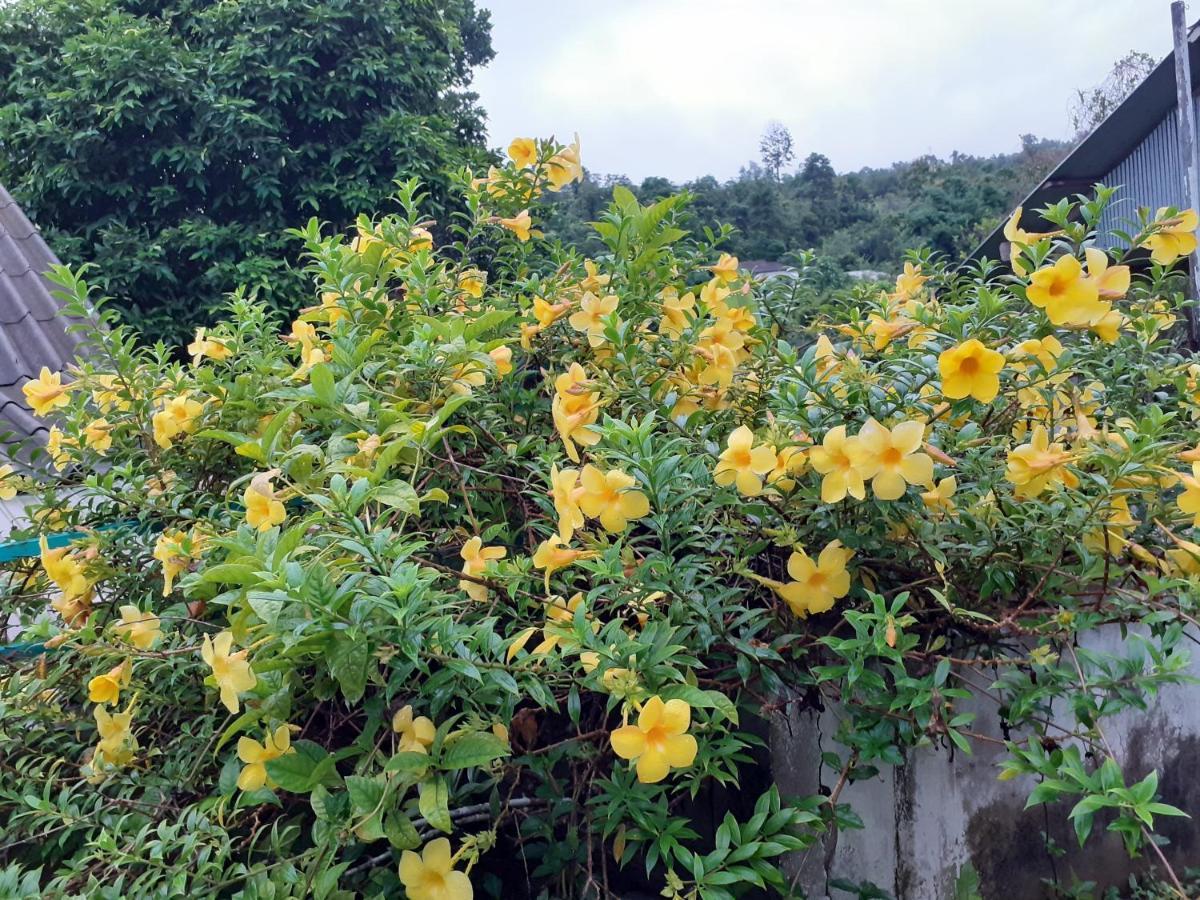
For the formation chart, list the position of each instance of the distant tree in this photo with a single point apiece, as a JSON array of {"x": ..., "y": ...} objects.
[
  {"x": 1091, "y": 106},
  {"x": 172, "y": 142},
  {"x": 776, "y": 148}
]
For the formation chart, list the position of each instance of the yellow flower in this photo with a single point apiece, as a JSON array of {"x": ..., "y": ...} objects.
[
  {"x": 726, "y": 269},
  {"x": 1033, "y": 467},
  {"x": 46, "y": 392},
  {"x": 677, "y": 312},
  {"x": 1020, "y": 240},
  {"x": 465, "y": 377},
  {"x": 108, "y": 394},
  {"x": 1117, "y": 521},
  {"x": 472, "y": 282},
  {"x": 331, "y": 307},
  {"x": 607, "y": 496},
  {"x": 520, "y": 225},
  {"x": 713, "y": 295},
  {"x": 565, "y": 491},
  {"x": 590, "y": 318},
  {"x": 1112, "y": 282},
  {"x": 58, "y": 448},
  {"x": 263, "y": 509},
  {"x": 309, "y": 358},
  {"x": 475, "y": 561},
  {"x": 940, "y": 500},
  {"x": 117, "y": 743},
  {"x": 168, "y": 550},
  {"x": 1184, "y": 561},
  {"x": 575, "y": 408},
  {"x": 552, "y": 555},
  {"x": 546, "y": 313},
  {"x": 883, "y": 331},
  {"x": 523, "y": 152},
  {"x": 431, "y": 875},
  {"x": 909, "y": 282},
  {"x": 8, "y": 488},
  {"x": 565, "y": 167},
  {"x": 177, "y": 416},
  {"x": 817, "y": 585},
  {"x": 139, "y": 628},
  {"x": 106, "y": 688},
  {"x": 844, "y": 464},
  {"x": 593, "y": 281},
  {"x": 256, "y": 756},
  {"x": 1066, "y": 295},
  {"x": 659, "y": 741},
  {"x": 892, "y": 459},
  {"x": 1189, "y": 500},
  {"x": 1174, "y": 237},
  {"x": 97, "y": 434},
  {"x": 789, "y": 462},
  {"x": 416, "y": 734},
  {"x": 61, "y": 567},
  {"x": 825, "y": 357},
  {"x": 204, "y": 346},
  {"x": 971, "y": 370},
  {"x": 502, "y": 357},
  {"x": 231, "y": 671},
  {"x": 1108, "y": 327},
  {"x": 419, "y": 239},
  {"x": 743, "y": 464},
  {"x": 560, "y": 617},
  {"x": 1045, "y": 350}
]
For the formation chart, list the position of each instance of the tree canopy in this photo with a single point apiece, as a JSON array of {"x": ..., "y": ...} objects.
[{"x": 172, "y": 142}]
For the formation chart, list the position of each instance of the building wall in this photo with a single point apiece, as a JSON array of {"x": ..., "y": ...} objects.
[{"x": 941, "y": 811}]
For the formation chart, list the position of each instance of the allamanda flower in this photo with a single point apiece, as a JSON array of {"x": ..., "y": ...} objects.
[
  {"x": 552, "y": 555},
  {"x": 117, "y": 743},
  {"x": 106, "y": 688},
  {"x": 475, "y": 561},
  {"x": 816, "y": 585},
  {"x": 743, "y": 464},
  {"x": 416, "y": 733},
  {"x": 971, "y": 370},
  {"x": 608, "y": 496},
  {"x": 843, "y": 463},
  {"x": 1175, "y": 236},
  {"x": 1065, "y": 294},
  {"x": 263, "y": 509},
  {"x": 431, "y": 875},
  {"x": 46, "y": 392},
  {"x": 590, "y": 318},
  {"x": 565, "y": 491},
  {"x": 275, "y": 744},
  {"x": 231, "y": 671},
  {"x": 1035, "y": 466},
  {"x": 659, "y": 741},
  {"x": 893, "y": 459},
  {"x": 1189, "y": 500},
  {"x": 142, "y": 629}
]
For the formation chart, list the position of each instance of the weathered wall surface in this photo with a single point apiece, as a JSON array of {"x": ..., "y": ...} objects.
[{"x": 926, "y": 820}]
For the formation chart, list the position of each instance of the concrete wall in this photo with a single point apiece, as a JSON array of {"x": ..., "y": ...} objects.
[{"x": 941, "y": 810}]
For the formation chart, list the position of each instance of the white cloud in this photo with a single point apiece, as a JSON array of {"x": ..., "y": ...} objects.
[{"x": 683, "y": 88}]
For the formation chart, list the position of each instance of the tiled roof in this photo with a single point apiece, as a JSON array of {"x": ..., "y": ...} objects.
[{"x": 32, "y": 333}]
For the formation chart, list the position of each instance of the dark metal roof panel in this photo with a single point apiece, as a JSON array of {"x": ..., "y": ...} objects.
[{"x": 32, "y": 333}]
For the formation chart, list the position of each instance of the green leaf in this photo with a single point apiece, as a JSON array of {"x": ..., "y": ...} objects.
[
  {"x": 303, "y": 770},
  {"x": 398, "y": 495},
  {"x": 433, "y": 802},
  {"x": 471, "y": 749},
  {"x": 321, "y": 379},
  {"x": 348, "y": 654}
]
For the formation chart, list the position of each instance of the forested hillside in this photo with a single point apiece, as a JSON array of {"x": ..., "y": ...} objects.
[{"x": 863, "y": 219}]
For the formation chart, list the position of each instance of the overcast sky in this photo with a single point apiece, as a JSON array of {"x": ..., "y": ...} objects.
[{"x": 683, "y": 88}]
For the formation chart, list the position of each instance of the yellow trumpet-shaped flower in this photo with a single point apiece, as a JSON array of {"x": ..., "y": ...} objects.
[
  {"x": 416, "y": 733},
  {"x": 608, "y": 496},
  {"x": 523, "y": 152},
  {"x": 789, "y": 462},
  {"x": 677, "y": 313},
  {"x": 575, "y": 408},
  {"x": 1175, "y": 236},
  {"x": 61, "y": 567},
  {"x": 475, "y": 561},
  {"x": 552, "y": 555},
  {"x": 1189, "y": 500},
  {"x": 177, "y": 416},
  {"x": 432, "y": 876},
  {"x": 1020, "y": 240},
  {"x": 726, "y": 269},
  {"x": 971, "y": 370},
  {"x": 659, "y": 741},
  {"x": 1112, "y": 282},
  {"x": 230, "y": 670},
  {"x": 1035, "y": 466},
  {"x": 744, "y": 465},
  {"x": 8, "y": 486},
  {"x": 203, "y": 347},
  {"x": 939, "y": 500},
  {"x": 502, "y": 357},
  {"x": 521, "y": 225},
  {"x": 142, "y": 629},
  {"x": 263, "y": 509},
  {"x": 844, "y": 464},
  {"x": 168, "y": 550},
  {"x": 117, "y": 743},
  {"x": 275, "y": 744},
  {"x": 893, "y": 459},
  {"x": 1067, "y": 296},
  {"x": 46, "y": 392},
  {"x": 565, "y": 490},
  {"x": 106, "y": 688},
  {"x": 590, "y": 318},
  {"x": 58, "y": 448},
  {"x": 909, "y": 282},
  {"x": 109, "y": 393},
  {"x": 817, "y": 584},
  {"x": 97, "y": 434},
  {"x": 564, "y": 167}
]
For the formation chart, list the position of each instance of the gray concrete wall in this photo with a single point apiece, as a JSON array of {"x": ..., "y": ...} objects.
[{"x": 940, "y": 811}]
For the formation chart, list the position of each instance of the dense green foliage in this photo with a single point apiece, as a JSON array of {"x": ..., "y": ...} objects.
[
  {"x": 172, "y": 143},
  {"x": 863, "y": 219}
]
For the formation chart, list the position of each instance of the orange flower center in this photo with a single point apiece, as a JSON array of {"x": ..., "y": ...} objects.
[
  {"x": 891, "y": 457},
  {"x": 969, "y": 366}
]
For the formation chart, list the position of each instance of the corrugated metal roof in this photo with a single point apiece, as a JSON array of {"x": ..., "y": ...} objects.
[
  {"x": 32, "y": 333},
  {"x": 1134, "y": 147}
]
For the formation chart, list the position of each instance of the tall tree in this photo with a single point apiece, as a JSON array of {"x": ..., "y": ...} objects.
[
  {"x": 172, "y": 142},
  {"x": 776, "y": 148}
]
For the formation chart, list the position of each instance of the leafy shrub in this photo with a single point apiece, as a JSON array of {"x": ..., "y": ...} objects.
[
  {"x": 172, "y": 144},
  {"x": 488, "y": 572}
]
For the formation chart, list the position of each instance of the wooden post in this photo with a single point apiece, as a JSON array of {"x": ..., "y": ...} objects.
[{"x": 1189, "y": 150}]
